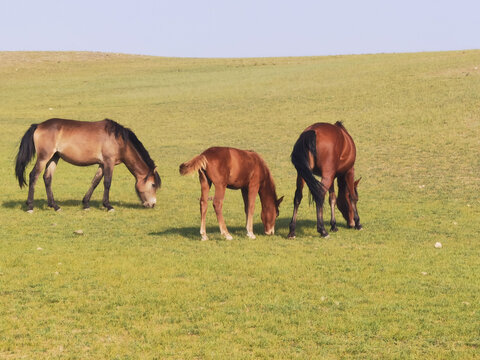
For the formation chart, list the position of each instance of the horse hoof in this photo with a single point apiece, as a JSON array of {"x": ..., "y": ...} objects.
[
  {"x": 111, "y": 210},
  {"x": 334, "y": 229},
  {"x": 86, "y": 209},
  {"x": 324, "y": 234},
  {"x": 251, "y": 236},
  {"x": 228, "y": 237},
  {"x": 204, "y": 238},
  {"x": 30, "y": 211},
  {"x": 58, "y": 209}
]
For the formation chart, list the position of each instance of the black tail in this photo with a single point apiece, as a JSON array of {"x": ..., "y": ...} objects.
[
  {"x": 25, "y": 155},
  {"x": 307, "y": 143}
]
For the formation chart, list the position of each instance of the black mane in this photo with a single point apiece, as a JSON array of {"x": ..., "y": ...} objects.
[
  {"x": 126, "y": 134},
  {"x": 340, "y": 124}
]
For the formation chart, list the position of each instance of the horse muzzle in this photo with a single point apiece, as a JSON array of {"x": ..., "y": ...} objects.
[
  {"x": 150, "y": 204},
  {"x": 270, "y": 232}
]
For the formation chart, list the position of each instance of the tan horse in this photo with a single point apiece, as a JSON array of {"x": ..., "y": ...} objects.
[
  {"x": 105, "y": 143},
  {"x": 328, "y": 151},
  {"x": 235, "y": 169}
]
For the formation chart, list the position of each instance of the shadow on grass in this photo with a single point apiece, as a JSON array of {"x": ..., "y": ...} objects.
[
  {"x": 282, "y": 226},
  {"x": 41, "y": 204},
  {"x": 281, "y": 229},
  {"x": 193, "y": 232},
  {"x": 306, "y": 223}
]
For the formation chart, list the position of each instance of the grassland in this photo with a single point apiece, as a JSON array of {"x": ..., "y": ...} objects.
[{"x": 139, "y": 285}]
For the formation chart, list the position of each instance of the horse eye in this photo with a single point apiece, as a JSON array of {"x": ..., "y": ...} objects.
[{"x": 153, "y": 185}]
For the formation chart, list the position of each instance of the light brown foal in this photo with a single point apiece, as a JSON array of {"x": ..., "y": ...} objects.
[{"x": 232, "y": 168}]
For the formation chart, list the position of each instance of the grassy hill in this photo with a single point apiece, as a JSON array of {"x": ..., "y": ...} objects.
[{"x": 139, "y": 284}]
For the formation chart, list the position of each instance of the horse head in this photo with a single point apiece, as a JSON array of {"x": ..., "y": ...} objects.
[
  {"x": 147, "y": 187},
  {"x": 269, "y": 215},
  {"x": 345, "y": 200}
]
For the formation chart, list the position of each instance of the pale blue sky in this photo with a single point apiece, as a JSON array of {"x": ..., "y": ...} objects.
[{"x": 241, "y": 28}]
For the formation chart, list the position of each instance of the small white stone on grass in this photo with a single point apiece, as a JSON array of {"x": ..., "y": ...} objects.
[
  {"x": 39, "y": 248},
  {"x": 78, "y": 232},
  {"x": 438, "y": 245},
  {"x": 424, "y": 273}
]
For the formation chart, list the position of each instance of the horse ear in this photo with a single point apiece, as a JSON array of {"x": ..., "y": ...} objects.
[
  {"x": 357, "y": 181},
  {"x": 279, "y": 201}
]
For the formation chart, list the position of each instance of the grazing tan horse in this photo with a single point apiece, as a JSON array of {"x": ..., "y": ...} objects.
[
  {"x": 235, "y": 169},
  {"x": 105, "y": 143},
  {"x": 328, "y": 151}
]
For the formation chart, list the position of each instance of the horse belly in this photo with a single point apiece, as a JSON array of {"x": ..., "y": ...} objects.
[
  {"x": 238, "y": 180},
  {"x": 234, "y": 187},
  {"x": 77, "y": 154}
]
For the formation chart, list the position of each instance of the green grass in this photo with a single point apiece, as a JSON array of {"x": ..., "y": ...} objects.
[{"x": 139, "y": 285}]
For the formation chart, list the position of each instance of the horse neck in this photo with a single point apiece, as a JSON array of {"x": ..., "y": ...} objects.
[
  {"x": 134, "y": 162},
  {"x": 267, "y": 190}
]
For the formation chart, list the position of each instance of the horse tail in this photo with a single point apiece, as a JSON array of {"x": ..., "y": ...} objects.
[
  {"x": 197, "y": 163},
  {"x": 25, "y": 154},
  {"x": 305, "y": 145}
]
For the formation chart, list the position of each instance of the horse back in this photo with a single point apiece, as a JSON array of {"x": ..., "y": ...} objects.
[
  {"x": 77, "y": 142},
  {"x": 232, "y": 167}
]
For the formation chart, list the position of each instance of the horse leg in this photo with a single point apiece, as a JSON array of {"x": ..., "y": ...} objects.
[
  {"x": 326, "y": 184},
  {"x": 42, "y": 160},
  {"x": 296, "y": 203},
  {"x": 107, "y": 182},
  {"x": 249, "y": 194},
  {"x": 47, "y": 178},
  {"x": 350, "y": 180},
  {"x": 205, "y": 186},
  {"x": 96, "y": 180},
  {"x": 245, "y": 204},
  {"x": 217, "y": 205},
  {"x": 332, "y": 199}
]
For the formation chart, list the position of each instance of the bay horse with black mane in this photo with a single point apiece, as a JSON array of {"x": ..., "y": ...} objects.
[
  {"x": 81, "y": 143},
  {"x": 235, "y": 169},
  {"x": 328, "y": 151}
]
